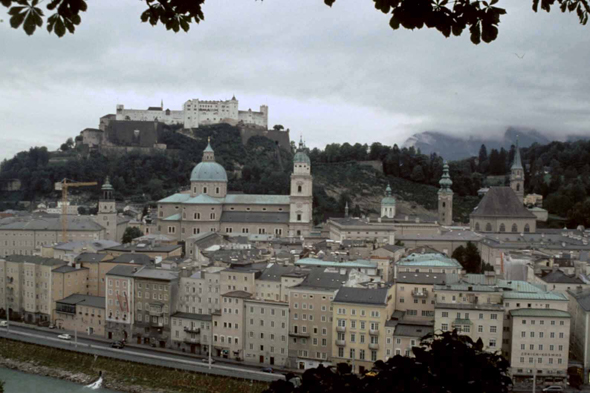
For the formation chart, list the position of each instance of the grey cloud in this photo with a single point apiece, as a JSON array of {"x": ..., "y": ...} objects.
[{"x": 334, "y": 74}]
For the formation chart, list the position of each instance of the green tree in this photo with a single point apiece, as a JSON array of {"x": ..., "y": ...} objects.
[
  {"x": 418, "y": 174},
  {"x": 130, "y": 234},
  {"x": 444, "y": 363},
  {"x": 278, "y": 127},
  {"x": 481, "y": 19},
  {"x": 468, "y": 257}
]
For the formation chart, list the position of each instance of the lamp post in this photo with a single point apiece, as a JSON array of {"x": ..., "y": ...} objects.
[{"x": 210, "y": 342}]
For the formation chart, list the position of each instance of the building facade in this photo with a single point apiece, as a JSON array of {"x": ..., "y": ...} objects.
[{"x": 207, "y": 207}]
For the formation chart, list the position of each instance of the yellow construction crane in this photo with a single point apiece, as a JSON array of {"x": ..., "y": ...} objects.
[{"x": 63, "y": 187}]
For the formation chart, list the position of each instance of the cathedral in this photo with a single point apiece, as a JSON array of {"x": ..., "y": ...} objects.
[{"x": 207, "y": 206}]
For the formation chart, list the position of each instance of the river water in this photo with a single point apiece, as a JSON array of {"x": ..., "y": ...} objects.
[{"x": 17, "y": 382}]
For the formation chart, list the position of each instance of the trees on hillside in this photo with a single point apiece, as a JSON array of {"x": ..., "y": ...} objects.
[
  {"x": 445, "y": 363},
  {"x": 480, "y": 18}
]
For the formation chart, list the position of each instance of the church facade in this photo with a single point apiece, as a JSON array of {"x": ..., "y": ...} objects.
[{"x": 207, "y": 206}]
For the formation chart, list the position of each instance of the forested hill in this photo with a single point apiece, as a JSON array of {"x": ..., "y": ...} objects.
[
  {"x": 259, "y": 167},
  {"x": 559, "y": 171}
]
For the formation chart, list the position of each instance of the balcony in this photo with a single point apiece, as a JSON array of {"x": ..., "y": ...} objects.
[
  {"x": 341, "y": 329},
  {"x": 373, "y": 332},
  {"x": 301, "y": 335},
  {"x": 194, "y": 330},
  {"x": 461, "y": 322},
  {"x": 373, "y": 346},
  {"x": 341, "y": 343},
  {"x": 196, "y": 340},
  {"x": 420, "y": 293},
  {"x": 156, "y": 312}
]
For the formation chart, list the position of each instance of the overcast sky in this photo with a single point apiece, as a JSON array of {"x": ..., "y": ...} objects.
[{"x": 335, "y": 74}]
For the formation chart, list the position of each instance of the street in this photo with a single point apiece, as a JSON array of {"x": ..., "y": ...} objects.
[{"x": 147, "y": 355}]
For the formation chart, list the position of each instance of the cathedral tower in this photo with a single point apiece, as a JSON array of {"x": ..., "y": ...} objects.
[
  {"x": 445, "y": 198},
  {"x": 517, "y": 175},
  {"x": 301, "y": 199}
]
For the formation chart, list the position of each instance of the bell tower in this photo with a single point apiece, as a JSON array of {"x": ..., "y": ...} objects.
[
  {"x": 445, "y": 198},
  {"x": 517, "y": 174},
  {"x": 107, "y": 211},
  {"x": 301, "y": 198}
]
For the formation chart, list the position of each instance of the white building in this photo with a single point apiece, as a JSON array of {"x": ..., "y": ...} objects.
[{"x": 196, "y": 112}]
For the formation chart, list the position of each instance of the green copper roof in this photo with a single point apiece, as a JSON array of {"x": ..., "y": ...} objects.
[
  {"x": 176, "y": 198},
  {"x": 107, "y": 185},
  {"x": 361, "y": 263},
  {"x": 539, "y": 312},
  {"x": 435, "y": 260},
  {"x": 388, "y": 199},
  {"x": 250, "y": 199},
  {"x": 445, "y": 181},
  {"x": 204, "y": 199},
  {"x": 301, "y": 157},
  {"x": 174, "y": 217},
  {"x": 534, "y": 296},
  {"x": 208, "y": 149},
  {"x": 519, "y": 286},
  {"x": 209, "y": 171}
]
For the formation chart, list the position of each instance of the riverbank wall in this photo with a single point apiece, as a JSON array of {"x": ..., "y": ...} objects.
[{"x": 117, "y": 374}]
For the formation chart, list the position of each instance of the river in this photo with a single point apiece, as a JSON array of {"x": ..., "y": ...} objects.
[{"x": 18, "y": 382}]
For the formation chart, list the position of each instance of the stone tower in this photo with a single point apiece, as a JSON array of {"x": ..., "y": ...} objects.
[
  {"x": 107, "y": 211},
  {"x": 388, "y": 204},
  {"x": 517, "y": 175},
  {"x": 445, "y": 198},
  {"x": 301, "y": 199}
]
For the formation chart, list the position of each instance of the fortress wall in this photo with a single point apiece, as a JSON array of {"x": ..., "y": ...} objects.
[{"x": 280, "y": 137}]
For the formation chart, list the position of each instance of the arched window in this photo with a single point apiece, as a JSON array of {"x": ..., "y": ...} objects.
[
  {"x": 204, "y": 190},
  {"x": 217, "y": 190},
  {"x": 527, "y": 228},
  {"x": 502, "y": 228},
  {"x": 444, "y": 204},
  {"x": 477, "y": 226},
  {"x": 488, "y": 227},
  {"x": 514, "y": 228},
  {"x": 517, "y": 186},
  {"x": 299, "y": 189}
]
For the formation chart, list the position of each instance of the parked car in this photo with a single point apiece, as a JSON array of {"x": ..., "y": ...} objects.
[
  {"x": 118, "y": 344},
  {"x": 206, "y": 360},
  {"x": 64, "y": 337},
  {"x": 52, "y": 326},
  {"x": 267, "y": 370},
  {"x": 553, "y": 389},
  {"x": 4, "y": 324}
]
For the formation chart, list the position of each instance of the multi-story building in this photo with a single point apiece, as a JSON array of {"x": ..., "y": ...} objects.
[
  {"x": 68, "y": 280},
  {"x": 200, "y": 292},
  {"x": 428, "y": 263},
  {"x": 540, "y": 345},
  {"x": 82, "y": 313},
  {"x": 192, "y": 332},
  {"x": 267, "y": 332},
  {"x": 207, "y": 206},
  {"x": 579, "y": 308},
  {"x": 415, "y": 294},
  {"x": 359, "y": 331},
  {"x": 27, "y": 282},
  {"x": 405, "y": 336},
  {"x": 156, "y": 294},
  {"x": 229, "y": 325},
  {"x": 26, "y": 235},
  {"x": 275, "y": 282},
  {"x": 120, "y": 306},
  {"x": 310, "y": 317}
]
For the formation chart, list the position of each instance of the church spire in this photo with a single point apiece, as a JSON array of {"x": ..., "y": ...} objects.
[
  {"x": 445, "y": 181},
  {"x": 346, "y": 209},
  {"x": 516, "y": 163}
]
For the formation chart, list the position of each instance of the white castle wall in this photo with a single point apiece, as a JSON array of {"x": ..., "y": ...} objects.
[{"x": 196, "y": 112}]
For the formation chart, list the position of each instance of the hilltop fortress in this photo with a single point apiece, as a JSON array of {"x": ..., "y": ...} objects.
[
  {"x": 141, "y": 129},
  {"x": 195, "y": 113}
]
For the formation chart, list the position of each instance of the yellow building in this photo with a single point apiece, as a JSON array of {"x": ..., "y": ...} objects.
[
  {"x": 82, "y": 313},
  {"x": 360, "y": 315}
]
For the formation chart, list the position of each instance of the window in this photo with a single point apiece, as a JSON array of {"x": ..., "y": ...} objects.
[
  {"x": 444, "y": 327},
  {"x": 492, "y": 329}
]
